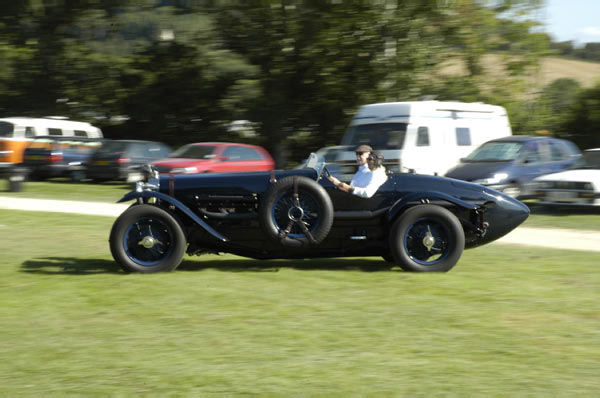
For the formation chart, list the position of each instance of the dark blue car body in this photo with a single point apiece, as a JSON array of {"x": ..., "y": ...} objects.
[{"x": 421, "y": 223}]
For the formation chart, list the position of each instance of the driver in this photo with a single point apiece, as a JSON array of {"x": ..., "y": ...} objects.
[{"x": 369, "y": 177}]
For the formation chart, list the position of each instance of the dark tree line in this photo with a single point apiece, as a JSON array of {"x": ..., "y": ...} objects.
[
  {"x": 587, "y": 52},
  {"x": 181, "y": 71}
]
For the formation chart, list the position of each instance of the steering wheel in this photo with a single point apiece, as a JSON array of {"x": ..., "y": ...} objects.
[{"x": 323, "y": 172}]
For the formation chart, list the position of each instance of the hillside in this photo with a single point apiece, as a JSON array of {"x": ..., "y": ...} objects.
[{"x": 552, "y": 68}]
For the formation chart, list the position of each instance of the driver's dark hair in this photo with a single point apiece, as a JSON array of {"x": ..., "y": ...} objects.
[{"x": 377, "y": 158}]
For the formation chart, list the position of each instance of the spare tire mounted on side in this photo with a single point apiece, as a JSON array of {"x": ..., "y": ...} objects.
[{"x": 296, "y": 211}]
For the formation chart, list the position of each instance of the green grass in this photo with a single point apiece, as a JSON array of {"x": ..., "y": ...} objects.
[
  {"x": 59, "y": 189},
  {"x": 569, "y": 218},
  {"x": 518, "y": 322}
]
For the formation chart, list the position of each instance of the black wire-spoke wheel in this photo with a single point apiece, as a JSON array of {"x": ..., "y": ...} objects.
[
  {"x": 427, "y": 238},
  {"x": 296, "y": 211},
  {"x": 146, "y": 238}
]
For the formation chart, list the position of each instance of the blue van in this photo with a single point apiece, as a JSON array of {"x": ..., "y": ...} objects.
[{"x": 509, "y": 164}]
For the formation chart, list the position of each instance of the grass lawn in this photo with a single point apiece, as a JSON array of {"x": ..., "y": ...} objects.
[
  {"x": 569, "y": 218},
  {"x": 62, "y": 190},
  {"x": 506, "y": 321}
]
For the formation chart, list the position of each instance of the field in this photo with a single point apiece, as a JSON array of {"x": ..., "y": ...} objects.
[
  {"x": 506, "y": 321},
  {"x": 551, "y": 68}
]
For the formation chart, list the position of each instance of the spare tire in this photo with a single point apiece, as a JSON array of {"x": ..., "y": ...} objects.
[{"x": 296, "y": 211}]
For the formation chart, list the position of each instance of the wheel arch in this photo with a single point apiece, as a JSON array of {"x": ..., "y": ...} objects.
[
  {"x": 425, "y": 197},
  {"x": 178, "y": 205}
]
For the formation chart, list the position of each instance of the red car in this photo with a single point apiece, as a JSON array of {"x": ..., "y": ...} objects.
[{"x": 216, "y": 157}]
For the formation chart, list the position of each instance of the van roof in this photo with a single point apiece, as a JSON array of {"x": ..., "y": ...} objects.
[
  {"x": 390, "y": 110},
  {"x": 50, "y": 120}
]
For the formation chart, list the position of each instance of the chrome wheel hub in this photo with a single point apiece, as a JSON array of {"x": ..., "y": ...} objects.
[
  {"x": 428, "y": 241},
  {"x": 148, "y": 242}
]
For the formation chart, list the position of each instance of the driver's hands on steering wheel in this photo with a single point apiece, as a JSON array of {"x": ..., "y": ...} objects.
[
  {"x": 342, "y": 186},
  {"x": 334, "y": 180}
]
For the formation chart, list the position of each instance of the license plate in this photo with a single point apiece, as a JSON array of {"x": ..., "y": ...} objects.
[
  {"x": 35, "y": 157},
  {"x": 561, "y": 196},
  {"x": 102, "y": 162}
]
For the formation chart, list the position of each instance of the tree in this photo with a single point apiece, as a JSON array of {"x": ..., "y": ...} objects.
[
  {"x": 584, "y": 120},
  {"x": 318, "y": 60}
]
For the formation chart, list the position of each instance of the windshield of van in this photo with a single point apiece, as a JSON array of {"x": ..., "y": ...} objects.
[
  {"x": 194, "y": 152},
  {"x": 495, "y": 152},
  {"x": 377, "y": 135},
  {"x": 589, "y": 160},
  {"x": 6, "y": 129}
]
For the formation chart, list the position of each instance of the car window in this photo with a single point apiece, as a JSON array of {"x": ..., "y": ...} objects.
[
  {"x": 29, "y": 132},
  {"x": 558, "y": 151},
  {"x": 239, "y": 153},
  {"x": 6, "y": 129},
  {"x": 192, "y": 151},
  {"x": 155, "y": 151},
  {"x": 463, "y": 136},
  {"x": 532, "y": 153},
  {"x": 495, "y": 152},
  {"x": 423, "y": 136},
  {"x": 112, "y": 147},
  {"x": 378, "y": 135},
  {"x": 137, "y": 150},
  {"x": 591, "y": 160},
  {"x": 163, "y": 151},
  {"x": 52, "y": 131},
  {"x": 80, "y": 133}
]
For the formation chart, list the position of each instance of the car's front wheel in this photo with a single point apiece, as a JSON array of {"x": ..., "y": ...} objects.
[
  {"x": 427, "y": 238},
  {"x": 146, "y": 238}
]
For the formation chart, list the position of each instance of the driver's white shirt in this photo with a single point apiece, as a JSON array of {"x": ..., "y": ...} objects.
[{"x": 367, "y": 182}]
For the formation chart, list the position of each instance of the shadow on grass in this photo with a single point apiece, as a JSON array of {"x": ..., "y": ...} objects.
[
  {"x": 70, "y": 265},
  {"x": 75, "y": 266},
  {"x": 326, "y": 264}
]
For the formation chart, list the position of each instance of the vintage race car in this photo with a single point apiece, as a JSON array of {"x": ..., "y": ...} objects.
[{"x": 421, "y": 223}]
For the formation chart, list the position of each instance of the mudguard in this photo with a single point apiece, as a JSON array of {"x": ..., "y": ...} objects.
[
  {"x": 183, "y": 208},
  {"x": 426, "y": 197}
]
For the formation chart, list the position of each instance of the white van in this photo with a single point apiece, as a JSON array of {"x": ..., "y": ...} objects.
[
  {"x": 425, "y": 137},
  {"x": 16, "y": 132}
]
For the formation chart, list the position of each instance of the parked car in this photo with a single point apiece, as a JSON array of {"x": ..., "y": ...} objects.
[
  {"x": 579, "y": 186},
  {"x": 510, "y": 164},
  {"x": 421, "y": 223},
  {"x": 55, "y": 156},
  {"x": 330, "y": 156},
  {"x": 216, "y": 157},
  {"x": 16, "y": 132},
  {"x": 122, "y": 159}
]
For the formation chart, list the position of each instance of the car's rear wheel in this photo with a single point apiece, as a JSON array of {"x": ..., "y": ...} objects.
[
  {"x": 427, "y": 238},
  {"x": 296, "y": 211},
  {"x": 146, "y": 238}
]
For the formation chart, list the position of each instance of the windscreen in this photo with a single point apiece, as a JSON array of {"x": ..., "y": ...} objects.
[
  {"x": 591, "y": 160},
  {"x": 6, "y": 129},
  {"x": 194, "y": 152},
  {"x": 113, "y": 147},
  {"x": 495, "y": 152},
  {"x": 378, "y": 135}
]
